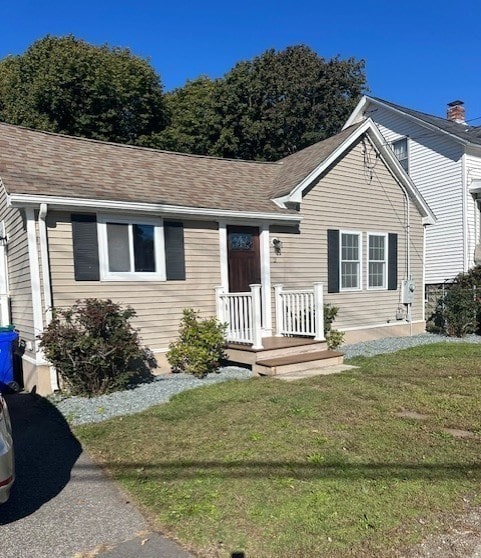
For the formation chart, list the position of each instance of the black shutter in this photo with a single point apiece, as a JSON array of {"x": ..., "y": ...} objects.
[
  {"x": 332, "y": 261},
  {"x": 85, "y": 247},
  {"x": 174, "y": 251},
  {"x": 392, "y": 263}
]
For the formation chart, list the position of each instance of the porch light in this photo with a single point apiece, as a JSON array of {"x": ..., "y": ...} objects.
[{"x": 277, "y": 246}]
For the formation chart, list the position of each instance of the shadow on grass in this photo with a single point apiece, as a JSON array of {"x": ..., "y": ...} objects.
[
  {"x": 178, "y": 470},
  {"x": 45, "y": 452}
]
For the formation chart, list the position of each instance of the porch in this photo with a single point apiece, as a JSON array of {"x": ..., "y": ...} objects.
[{"x": 299, "y": 343}]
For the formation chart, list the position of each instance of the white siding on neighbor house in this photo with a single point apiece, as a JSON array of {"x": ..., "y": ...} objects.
[
  {"x": 436, "y": 168},
  {"x": 158, "y": 304},
  {"x": 346, "y": 198},
  {"x": 473, "y": 172}
]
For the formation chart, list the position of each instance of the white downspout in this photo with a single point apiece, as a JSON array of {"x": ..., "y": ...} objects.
[{"x": 47, "y": 293}]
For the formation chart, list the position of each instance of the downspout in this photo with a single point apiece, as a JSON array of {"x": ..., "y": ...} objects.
[{"x": 47, "y": 293}]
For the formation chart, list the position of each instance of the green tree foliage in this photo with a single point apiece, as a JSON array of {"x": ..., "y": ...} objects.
[
  {"x": 63, "y": 84},
  {"x": 266, "y": 108},
  {"x": 195, "y": 122}
]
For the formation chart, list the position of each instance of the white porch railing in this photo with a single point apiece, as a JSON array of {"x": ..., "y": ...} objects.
[
  {"x": 300, "y": 312},
  {"x": 242, "y": 314}
]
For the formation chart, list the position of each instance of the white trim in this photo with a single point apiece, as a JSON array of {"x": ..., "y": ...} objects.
[
  {"x": 34, "y": 275},
  {"x": 265, "y": 247},
  {"x": 159, "y": 250},
  {"x": 360, "y": 250},
  {"x": 47, "y": 293},
  {"x": 423, "y": 310},
  {"x": 386, "y": 260},
  {"x": 224, "y": 262},
  {"x": 39, "y": 361},
  {"x": 392, "y": 323},
  {"x": 390, "y": 160},
  {"x": 65, "y": 203},
  {"x": 464, "y": 193}
]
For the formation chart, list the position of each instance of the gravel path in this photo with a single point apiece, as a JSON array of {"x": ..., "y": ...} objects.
[{"x": 82, "y": 410}]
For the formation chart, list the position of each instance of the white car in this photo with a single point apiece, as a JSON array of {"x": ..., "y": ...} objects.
[{"x": 7, "y": 468}]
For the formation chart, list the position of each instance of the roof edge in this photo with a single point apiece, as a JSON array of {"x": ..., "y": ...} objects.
[
  {"x": 58, "y": 202},
  {"x": 357, "y": 114},
  {"x": 367, "y": 127}
]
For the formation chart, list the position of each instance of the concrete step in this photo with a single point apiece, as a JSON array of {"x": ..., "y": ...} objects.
[{"x": 297, "y": 362}]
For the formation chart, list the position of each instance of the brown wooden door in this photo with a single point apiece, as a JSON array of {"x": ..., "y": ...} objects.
[{"x": 244, "y": 258}]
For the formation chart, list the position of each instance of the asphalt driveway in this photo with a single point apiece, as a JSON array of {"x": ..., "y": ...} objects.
[{"x": 62, "y": 505}]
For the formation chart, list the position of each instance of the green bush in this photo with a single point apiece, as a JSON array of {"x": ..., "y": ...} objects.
[
  {"x": 334, "y": 337},
  {"x": 94, "y": 348},
  {"x": 460, "y": 311},
  {"x": 199, "y": 349}
]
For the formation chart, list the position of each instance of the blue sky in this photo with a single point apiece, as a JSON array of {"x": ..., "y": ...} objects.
[{"x": 420, "y": 54}]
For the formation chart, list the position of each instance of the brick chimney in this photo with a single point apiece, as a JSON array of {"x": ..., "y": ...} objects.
[{"x": 456, "y": 112}]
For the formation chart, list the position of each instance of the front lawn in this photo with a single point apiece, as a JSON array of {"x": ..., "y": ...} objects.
[{"x": 356, "y": 464}]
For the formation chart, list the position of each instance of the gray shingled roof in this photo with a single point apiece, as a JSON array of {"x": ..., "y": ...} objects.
[
  {"x": 43, "y": 163},
  {"x": 471, "y": 134},
  {"x": 297, "y": 166}
]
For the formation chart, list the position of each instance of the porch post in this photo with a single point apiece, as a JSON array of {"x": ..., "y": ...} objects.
[
  {"x": 279, "y": 313},
  {"x": 218, "y": 304},
  {"x": 319, "y": 312},
  {"x": 256, "y": 317}
]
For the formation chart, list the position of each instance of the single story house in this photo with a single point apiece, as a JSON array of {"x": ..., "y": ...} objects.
[{"x": 263, "y": 245}]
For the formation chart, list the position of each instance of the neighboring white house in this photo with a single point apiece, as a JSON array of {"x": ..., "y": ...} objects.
[{"x": 443, "y": 158}]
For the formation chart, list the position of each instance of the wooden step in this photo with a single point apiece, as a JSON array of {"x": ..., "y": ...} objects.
[
  {"x": 297, "y": 362},
  {"x": 273, "y": 347}
]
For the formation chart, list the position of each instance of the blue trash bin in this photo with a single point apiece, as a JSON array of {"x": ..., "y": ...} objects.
[{"x": 8, "y": 338}]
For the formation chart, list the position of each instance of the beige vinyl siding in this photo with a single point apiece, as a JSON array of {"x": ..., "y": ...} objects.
[
  {"x": 20, "y": 289},
  {"x": 435, "y": 166},
  {"x": 346, "y": 198},
  {"x": 158, "y": 304}
]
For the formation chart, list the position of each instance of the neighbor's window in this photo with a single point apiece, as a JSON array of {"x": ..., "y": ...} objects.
[
  {"x": 131, "y": 250},
  {"x": 400, "y": 148},
  {"x": 377, "y": 261},
  {"x": 350, "y": 261}
]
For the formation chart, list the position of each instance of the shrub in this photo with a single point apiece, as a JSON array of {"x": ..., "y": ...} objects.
[
  {"x": 94, "y": 347},
  {"x": 200, "y": 347},
  {"x": 460, "y": 311},
  {"x": 334, "y": 337}
]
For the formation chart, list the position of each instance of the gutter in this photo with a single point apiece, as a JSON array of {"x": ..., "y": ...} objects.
[{"x": 66, "y": 203}]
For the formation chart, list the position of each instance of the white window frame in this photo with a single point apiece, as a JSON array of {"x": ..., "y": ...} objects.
[
  {"x": 359, "y": 273},
  {"x": 399, "y": 140},
  {"x": 159, "y": 249},
  {"x": 385, "y": 261}
]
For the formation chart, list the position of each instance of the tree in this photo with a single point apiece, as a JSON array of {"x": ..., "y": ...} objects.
[
  {"x": 63, "y": 84},
  {"x": 195, "y": 122},
  {"x": 267, "y": 108},
  {"x": 281, "y": 102}
]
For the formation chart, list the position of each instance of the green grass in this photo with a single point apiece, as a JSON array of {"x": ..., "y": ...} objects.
[{"x": 332, "y": 466}]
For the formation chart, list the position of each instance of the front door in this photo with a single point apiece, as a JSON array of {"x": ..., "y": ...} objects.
[{"x": 244, "y": 258}]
